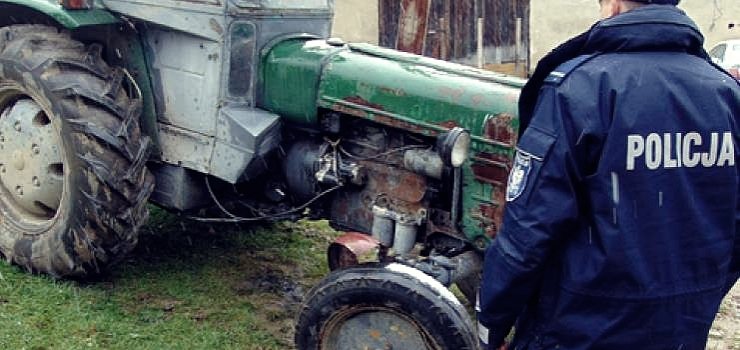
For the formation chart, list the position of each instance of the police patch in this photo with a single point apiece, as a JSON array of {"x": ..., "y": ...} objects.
[{"x": 518, "y": 176}]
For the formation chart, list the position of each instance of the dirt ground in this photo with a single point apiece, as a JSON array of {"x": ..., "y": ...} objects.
[{"x": 725, "y": 333}]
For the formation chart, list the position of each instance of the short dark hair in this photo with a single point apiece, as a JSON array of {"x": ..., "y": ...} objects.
[{"x": 659, "y": 2}]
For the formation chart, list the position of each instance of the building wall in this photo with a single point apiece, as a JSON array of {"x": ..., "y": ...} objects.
[
  {"x": 356, "y": 20},
  {"x": 713, "y": 17},
  {"x": 554, "y": 21}
]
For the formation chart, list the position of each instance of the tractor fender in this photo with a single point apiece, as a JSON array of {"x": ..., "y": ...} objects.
[
  {"x": 127, "y": 43},
  {"x": 69, "y": 19}
]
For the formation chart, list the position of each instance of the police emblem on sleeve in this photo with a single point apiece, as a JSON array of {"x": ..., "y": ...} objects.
[{"x": 518, "y": 176}]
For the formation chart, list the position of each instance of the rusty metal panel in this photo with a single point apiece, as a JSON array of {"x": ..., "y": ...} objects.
[
  {"x": 400, "y": 189},
  {"x": 412, "y": 26}
]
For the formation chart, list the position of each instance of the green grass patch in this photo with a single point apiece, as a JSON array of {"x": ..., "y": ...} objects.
[{"x": 187, "y": 286}]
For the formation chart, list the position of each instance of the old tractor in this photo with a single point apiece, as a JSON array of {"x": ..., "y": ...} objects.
[{"x": 245, "y": 107}]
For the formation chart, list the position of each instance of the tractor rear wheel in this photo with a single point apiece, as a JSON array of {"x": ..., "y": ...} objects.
[
  {"x": 73, "y": 181},
  {"x": 383, "y": 306}
]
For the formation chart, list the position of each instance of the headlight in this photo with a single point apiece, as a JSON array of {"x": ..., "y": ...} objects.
[{"x": 454, "y": 147}]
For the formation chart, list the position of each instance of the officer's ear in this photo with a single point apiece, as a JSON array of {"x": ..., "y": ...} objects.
[{"x": 610, "y": 8}]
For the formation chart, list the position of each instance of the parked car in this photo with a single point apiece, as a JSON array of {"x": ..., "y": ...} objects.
[{"x": 727, "y": 55}]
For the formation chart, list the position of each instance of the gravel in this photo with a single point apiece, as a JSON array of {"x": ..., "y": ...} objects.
[{"x": 725, "y": 333}]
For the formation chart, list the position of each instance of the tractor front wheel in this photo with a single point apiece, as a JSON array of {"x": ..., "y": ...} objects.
[
  {"x": 383, "y": 306},
  {"x": 73, "y": 181}
]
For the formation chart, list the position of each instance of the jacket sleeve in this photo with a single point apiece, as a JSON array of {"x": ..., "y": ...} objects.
[{"x": 541, "y": 209}]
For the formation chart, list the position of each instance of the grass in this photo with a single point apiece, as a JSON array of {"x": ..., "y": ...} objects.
[{"x": 187, "y": 286}]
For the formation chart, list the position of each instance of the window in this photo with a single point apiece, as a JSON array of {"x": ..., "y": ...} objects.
[
  {"x": 242, "y": 59},
  {"x": 732, "y": 58},
  {"x": 718, "y": 52}
]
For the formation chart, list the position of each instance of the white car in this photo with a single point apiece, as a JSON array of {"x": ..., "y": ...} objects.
[{"x": 727, "y": 55}]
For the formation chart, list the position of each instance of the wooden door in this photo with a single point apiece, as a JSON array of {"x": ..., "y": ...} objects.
[{"x": 446, "y": 29}]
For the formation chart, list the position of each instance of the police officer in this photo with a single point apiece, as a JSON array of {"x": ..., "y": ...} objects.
[{"x": 621, "y": 226}]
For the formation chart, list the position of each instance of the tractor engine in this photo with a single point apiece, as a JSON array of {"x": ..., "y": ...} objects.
[
  {"x": 419, "y": 147},
  {"x": 394, "y": 185}
]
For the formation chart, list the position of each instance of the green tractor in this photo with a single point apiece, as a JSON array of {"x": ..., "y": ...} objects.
[{"x": 240, "y": 111}]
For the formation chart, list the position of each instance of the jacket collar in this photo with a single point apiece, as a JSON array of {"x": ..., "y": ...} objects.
[{"x": 647, "y": 28}]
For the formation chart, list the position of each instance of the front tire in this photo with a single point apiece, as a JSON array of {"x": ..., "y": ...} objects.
[
  {"x": 73, "y": 181},
  {"x": 383, "y": 306}
]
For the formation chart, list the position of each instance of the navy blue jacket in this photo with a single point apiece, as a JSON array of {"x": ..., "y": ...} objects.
[{"x": 621, "y": 227}]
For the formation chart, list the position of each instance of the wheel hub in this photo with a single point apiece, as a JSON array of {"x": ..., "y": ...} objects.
[
  {"x": 376, "y": 329},
  {"x": 19, "y": 161},
  {"x": 31, "y": 167}
]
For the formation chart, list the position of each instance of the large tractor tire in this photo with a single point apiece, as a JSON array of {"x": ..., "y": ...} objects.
[
  {"x": 73, "y": 181},
  {"x": 383, "y": 306}
]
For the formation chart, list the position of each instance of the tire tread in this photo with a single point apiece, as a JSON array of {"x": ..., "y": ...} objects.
[{"x": 90, "y": 98}]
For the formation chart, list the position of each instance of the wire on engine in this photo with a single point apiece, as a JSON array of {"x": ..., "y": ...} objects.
[{"x": 237, "y": 219}]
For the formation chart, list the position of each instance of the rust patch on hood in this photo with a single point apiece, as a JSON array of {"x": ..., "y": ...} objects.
[
  {"x": 373, "y": 111},
  {"x": 500, "y": 128},
  {"x": 493, "y": 169},
  {"x": 363, "y": 102}
]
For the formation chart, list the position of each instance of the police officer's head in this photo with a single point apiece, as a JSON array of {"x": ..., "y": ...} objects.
[{"x": 611, "y": 8}]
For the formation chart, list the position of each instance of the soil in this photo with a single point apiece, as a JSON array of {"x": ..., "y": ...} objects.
[
  {"x": 255, "y": 269},
  {"x": 725, "y": 333}
]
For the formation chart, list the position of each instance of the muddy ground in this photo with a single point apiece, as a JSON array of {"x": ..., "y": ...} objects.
[
  {"x": 191, "y": 286},
  {"x": 725, "y": 333}
]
